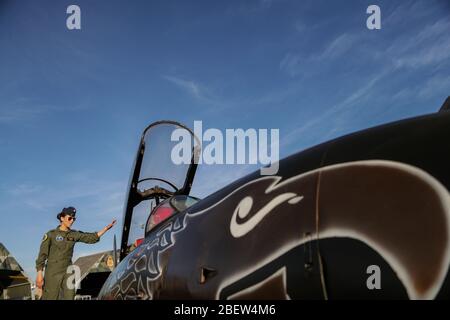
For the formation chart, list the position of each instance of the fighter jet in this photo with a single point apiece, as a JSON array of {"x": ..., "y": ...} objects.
[{"x": 364, "y": 216}]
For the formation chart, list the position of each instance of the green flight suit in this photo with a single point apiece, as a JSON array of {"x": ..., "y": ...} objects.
[{"x": 55, "y": 255}]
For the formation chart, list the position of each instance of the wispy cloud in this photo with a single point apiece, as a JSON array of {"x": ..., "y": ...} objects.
[
  {"x": 297, "y": 63},
  {"x": 101, "y": 197},
  {"x": 199, "y": 92},
  {"x": 191, "y": 87},
  {"x": 27, "y": 109},
  {"x": 292, "y": 64},
  {"x": 440, "y": 85},
  {"x": 437, "y": 86},
  {"x": 19, "y": 110},
  {"x": 429, "y": 47},
  {"x": 299, "y": 26},
  {"x": 407, "y": 8},
  {"x": 24, "y": 189},
  {"x": 341, "y": 44},
  {"x": 364, "y": 92}
]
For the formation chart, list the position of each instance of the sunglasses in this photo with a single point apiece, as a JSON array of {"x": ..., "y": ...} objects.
[{"x": 71, "y": 218}]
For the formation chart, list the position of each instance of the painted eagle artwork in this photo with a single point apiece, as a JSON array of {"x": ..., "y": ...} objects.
[{"x": 364, "y": 216}]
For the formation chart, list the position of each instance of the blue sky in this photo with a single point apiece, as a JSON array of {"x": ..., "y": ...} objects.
[{"x": 74, "y": 103}]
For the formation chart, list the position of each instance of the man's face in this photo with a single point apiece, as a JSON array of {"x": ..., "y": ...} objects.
[{"x": 68, "y": 220}]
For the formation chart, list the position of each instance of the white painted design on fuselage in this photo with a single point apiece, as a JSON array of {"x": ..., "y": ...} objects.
[
  {"x": 243, "y": 209},
  {"x": 149, "y": 269},
  {"x": 392, "y": 260}
]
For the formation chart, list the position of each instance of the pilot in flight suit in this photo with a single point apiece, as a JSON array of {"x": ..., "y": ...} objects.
[{"x": 55, "y": 256}]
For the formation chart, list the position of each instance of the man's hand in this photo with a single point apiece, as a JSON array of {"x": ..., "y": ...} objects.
[
  {"x": 109, "y": 226},
  {"x": 39, "y": 280}
]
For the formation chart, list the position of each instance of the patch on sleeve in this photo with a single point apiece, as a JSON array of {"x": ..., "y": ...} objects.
[{"x": 45, "y": 237}]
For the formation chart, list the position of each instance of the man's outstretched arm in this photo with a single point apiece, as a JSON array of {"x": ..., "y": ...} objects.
[{"x": 109, "y": 226}]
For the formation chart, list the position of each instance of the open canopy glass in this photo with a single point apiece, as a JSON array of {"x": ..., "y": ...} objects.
[
  {"x": 158, "y": 168},
  {"x": 157, "y": 175}
]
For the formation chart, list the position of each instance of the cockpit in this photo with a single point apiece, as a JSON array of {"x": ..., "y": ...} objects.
[{"x": 159, "y": 186}]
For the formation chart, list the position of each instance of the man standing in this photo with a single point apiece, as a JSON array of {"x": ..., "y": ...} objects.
[{"x": 55, "y": 255}]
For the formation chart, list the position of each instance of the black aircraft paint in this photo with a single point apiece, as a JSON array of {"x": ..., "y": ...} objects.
[{"x": 311, "y": 231}]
